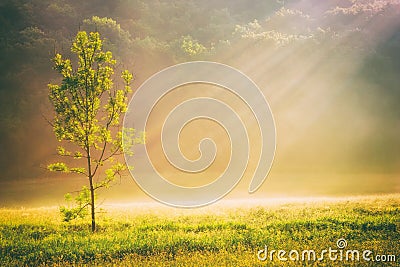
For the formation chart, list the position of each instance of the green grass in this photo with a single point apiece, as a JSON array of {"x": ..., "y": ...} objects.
[{"x": 213, "y": 236}]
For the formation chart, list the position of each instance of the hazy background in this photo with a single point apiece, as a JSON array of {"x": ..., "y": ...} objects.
[{"x": 330, "y": 71}]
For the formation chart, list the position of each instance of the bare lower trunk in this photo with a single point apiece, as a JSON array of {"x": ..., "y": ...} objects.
[
  {"x": 89, "y": 163},
  {"x": 92, "y": 207}
]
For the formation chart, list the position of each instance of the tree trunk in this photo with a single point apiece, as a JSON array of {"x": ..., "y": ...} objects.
[
  {"x": 92, "y": 207},
  {"x": 92, "y": 204}
]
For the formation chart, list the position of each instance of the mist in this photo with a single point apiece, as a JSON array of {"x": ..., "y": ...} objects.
[{"x": 329, "y": 71}]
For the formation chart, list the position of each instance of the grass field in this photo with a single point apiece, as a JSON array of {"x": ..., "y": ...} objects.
[{"x": 218, "y": 235}]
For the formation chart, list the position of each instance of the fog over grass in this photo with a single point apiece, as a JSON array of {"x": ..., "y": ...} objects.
[{"x": 230, "y": 235}]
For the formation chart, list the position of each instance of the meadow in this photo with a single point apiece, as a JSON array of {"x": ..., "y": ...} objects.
[{"x": 229, "y": 234}]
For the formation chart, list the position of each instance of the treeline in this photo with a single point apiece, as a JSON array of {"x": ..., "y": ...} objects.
[{"x": 145, "y": 34}]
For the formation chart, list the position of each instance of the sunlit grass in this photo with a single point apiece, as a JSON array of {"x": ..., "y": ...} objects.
[{"x": 227, "y": 234}]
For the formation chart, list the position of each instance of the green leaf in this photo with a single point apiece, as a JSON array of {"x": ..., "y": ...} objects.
[{"x": 58, "y": 167}]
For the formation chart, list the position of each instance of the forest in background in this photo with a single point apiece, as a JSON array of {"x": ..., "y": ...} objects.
[{"x": 272, "y": 41}]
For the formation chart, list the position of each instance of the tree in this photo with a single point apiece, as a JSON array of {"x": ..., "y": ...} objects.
[{"x": 87, "y": 118}]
